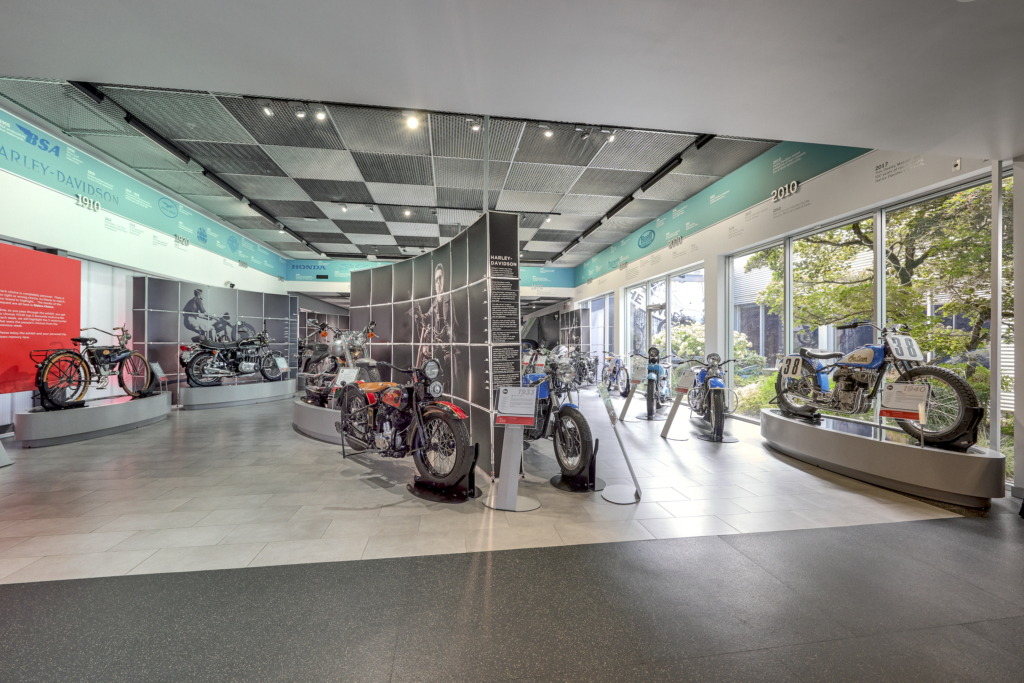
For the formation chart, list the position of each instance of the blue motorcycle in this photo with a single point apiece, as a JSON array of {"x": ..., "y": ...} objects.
[
  {"x": 707, "y": 396},
  {"x": 558, "y": 419},
  {"x": 615, "y": 374},
  {"x": 658, "y": 390}
]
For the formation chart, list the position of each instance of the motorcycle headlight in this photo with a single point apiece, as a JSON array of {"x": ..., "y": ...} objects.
[
  {"x": 432, "y": 369},
  {"x": 435, "y": 388},
  {"x": 714, "y": 358},
  {"x": 566, "y": 373}
]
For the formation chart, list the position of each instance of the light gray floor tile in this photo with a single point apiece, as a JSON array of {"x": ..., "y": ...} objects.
[
  {"x": 137, "y": 507},
  {"x": 682, "y": 527},
  {"x": 8, "y": 567},
  {"x": 227, "y": 502},
  {"x": 699, "y": 508},
  {"x": 497, "y": 538},
  {"x": 283, "y": 531},
  {"x": 779, "y": 520},
  {"x": 55, "y": 526},
  {"x": 406, "y": 545},
  {"x": 143, "y": 522},
  {"x": 610, "y": 512},
  {"x": 337, "y": 549},
  {"x": 68, "y": 544},
  {"x": 198, "y": 558},
  {"x": 602, "y": 532},
  {"x": 373, "y": 526},
  {"x": 247, "y": 516},
  {"x": 83, "y": 566},
  {"x": 174, "y": 538},
  {"x": 775, "y": 502}
]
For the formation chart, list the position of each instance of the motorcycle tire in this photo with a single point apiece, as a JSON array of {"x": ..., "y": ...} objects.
[
  {"x": 355, "y": 429},
  {"x": 786, "y": 404},
  {"x": 194, "y": 371},
  {"x": 574, "y": 443},
  {"x": 442, "y": 450},
  {"x": 622, "y": 382},
  {"x": 943, "y": 426},
  {"x": 373, "y": 373},
  {"x": 716, "y": 412},
  {"x": 652, "y": 399},
  {"x": 63, "y": 378},
  {"x": 269, "y": 369},
  {"x": 134, "y": 374}
]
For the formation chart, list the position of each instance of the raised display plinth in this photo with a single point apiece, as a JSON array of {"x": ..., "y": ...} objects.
[
  {"x": 37, "y": 427},
  {"x": 203, "y": 398},
  {"x": 315, "y": 422},
  {"x": 894, "y": 461}
]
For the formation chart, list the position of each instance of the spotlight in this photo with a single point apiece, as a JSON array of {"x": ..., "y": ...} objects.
[
  {"x": 476, "y": 126},
  {"x": 548, "y": 133},
  {"x": 547, "y": 130},
  {"x": 281, "y": 232},
  {"x": 299, "y": 109},
  {"x": 265, "y": 106},
  {"x": 408, "y": 212},
  {"x": 344, "y": 208},
  {"x": 319, "y": 112},
  {"x": 411, "y": 119},
  {"x": 473, "y": 124},
  {"x": 369, "y": 207},
  {"x": 548, "y": 219}
]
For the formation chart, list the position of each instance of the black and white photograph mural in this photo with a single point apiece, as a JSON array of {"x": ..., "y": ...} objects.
[{"x": 458, "y": 305}]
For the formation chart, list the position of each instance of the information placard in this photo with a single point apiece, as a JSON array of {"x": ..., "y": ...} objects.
[
  {"x": 686, "y": 381},
  {"x": 638, "y": 365},
  {"x": 516, "y": 406},
  {"x": 904, "y": 401},
  {"x": 607, "y": 402}
]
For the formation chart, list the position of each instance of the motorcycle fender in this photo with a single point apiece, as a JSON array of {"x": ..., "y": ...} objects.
[
  {"x": 716, "y": 383},
  {"x": 569, "y": 405},
  {"x": 458, "y": 412},
  {"x": 652, "y": 376},
  {"x": 371, "y": 398}
]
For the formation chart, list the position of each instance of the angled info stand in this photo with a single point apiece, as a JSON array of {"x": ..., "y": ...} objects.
[
  {"x": 620, "y": 494},
  {"x": 638, "y": 377},
  {"x": 682, "y": 388},
  {"x": 515, "y": 410}
]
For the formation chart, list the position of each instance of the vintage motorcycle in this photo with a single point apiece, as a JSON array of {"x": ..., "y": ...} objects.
[
  {"x": 658, "y": 390},
  {"x": 323, "y": 363},
  {"x": 615, "y": 374},
  {"x": 816, "y": 380},
  {"x": 401, "y": 420},
  {"x": 707, "y": 395},
  {"x": 64, "y": 375},
  {"x": 557, "y": 418},
  {"x": 207, "y": 363}
]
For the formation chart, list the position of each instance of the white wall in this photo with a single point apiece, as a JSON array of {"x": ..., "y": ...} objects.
[{"x": 856, "y": 187}]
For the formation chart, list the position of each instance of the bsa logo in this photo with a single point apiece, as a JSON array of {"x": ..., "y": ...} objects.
[
  {"x": 201, "y": 235},
  {"x": 646, "y": 239},
  {"x": 167, "y": 207},
  {"x": 233, "y": 243},
  {"x": 42, "y": 143}
]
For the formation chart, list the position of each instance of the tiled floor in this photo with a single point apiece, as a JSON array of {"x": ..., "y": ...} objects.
[{"x": 237, "y": 487}]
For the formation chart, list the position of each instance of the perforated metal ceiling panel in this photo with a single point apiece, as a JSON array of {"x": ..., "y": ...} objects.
[
  {"x": 413, "y": 195},
  {"x": 384, "y": 131},
  {"x": 449, "y": 231},
  {"x": 284, "y": 128},
  {"x": 292, "y": 209},
  {"x": 220, "y": 157},
  {"x": 722, "y": 156},
  {"x": 331, "y": 248},
  {"x": 414, "y": 230},
  {"x": 679, "y": 187},
  {"x": 362, "y": 228},
  {"x": 335, "y": 190},
  {"x": 527, "y": 201},
  {"x": 408, "y": 214},
  {"x": 394, "y": 168},
  {"x": 255, "y": 224},
  {"x": 305, "y": 225},
  {"x": 139, "y": 153},
  {"x": 454, "y": 198},
  {"x": 65, "y": 107},
  {"x": 363, "y": 238},
  {"x": 424, "y": 242},
  {"x": 335, "y": 237},
  {"x": 528, "y": 255},
  {"x": 453, "y": 136},
  {"x": 319, "y": 164},
  {"x": 185, "y": 183},
  {"x": 463, "y": 218},
  {"x": 564, "y": 147},
  {"x": 586, "y": 205},
  {"x": 351, "y": 212},
  {"x": 641, "y": 150},
  {"x": 601, "y": 181},
  {"x": 180, "y": 115},
  {"x": 541, "y": 178},
  {"x": 266, "y": 187}
]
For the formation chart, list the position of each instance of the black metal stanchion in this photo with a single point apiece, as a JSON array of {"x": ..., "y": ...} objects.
[{"x": 584, "y": 482}]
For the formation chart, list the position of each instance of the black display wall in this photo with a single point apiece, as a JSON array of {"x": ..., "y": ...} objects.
[
  {"x": 458, "y": 304},
  {"x": 167, "y": 314}
]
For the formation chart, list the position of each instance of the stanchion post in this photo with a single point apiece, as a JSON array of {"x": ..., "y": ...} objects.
[
  {"x": 619, "y": 494},
  {"x": 672, "y": 416}
]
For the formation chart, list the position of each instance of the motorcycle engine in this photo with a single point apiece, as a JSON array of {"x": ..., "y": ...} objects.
[{"x": 849, "y": 389}]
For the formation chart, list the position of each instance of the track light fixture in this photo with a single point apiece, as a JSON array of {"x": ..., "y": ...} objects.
[
  {"x": 265, "y": 106},
  {"x": 369, "y": 207},
  {"x": 547, "y": 130},
  {"x": 412, "y": 119},
  {"x": 344, "y": 208},
  {"x": 319, "y": 112},
  {"x": 474, "y": 124},
  {"x": 158, "y": 139},
  {"x": 90, "y": 90},
  {"x": 299, "y": 108},
  {"x": 216, "y": 180},
  {"x": 610, "y": 134}
]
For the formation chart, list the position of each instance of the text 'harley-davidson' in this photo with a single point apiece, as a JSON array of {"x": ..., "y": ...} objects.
[{"x": 401, "y": 420}]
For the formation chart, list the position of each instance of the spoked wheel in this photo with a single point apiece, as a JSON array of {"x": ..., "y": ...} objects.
[
  {"x": 622, "y": 381},
  {"x": 794, "y": 394},
  {"x": 441, "y": 448},
  {"x": 195, "y": 371},
  {"x": 948, "y": 415},
  {"x": 716, "y": 412},
  {"x": 63, "y": 379},
  {"x": 269, "y": 367},
  {"x": 574, "y": 445},
  {"x": 355, "y": 423},
  {"x": 134, "y": 374}
]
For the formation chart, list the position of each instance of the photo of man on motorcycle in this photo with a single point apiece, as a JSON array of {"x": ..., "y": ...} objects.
[{"x": 435, "y": 323}]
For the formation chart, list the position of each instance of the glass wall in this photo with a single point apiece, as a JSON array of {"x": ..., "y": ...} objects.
[
  {"x": 758, "y": 326},
  {"x": 1007, "y": 341},
  {"x": 636, "y": 319},
  {"x": 597, "y": 329}
]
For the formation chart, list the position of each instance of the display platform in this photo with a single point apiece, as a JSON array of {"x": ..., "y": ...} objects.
[
  {"x": 315, "y": 422},
  {"x": 890, "y": 459},
  {"x": 37, "y": 427},
  {"x": 203, "y": 398}
]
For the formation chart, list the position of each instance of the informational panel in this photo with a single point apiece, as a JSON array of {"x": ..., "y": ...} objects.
[
  {"x": 40, "y": 308},
  {"x": 458, "y": 305}
]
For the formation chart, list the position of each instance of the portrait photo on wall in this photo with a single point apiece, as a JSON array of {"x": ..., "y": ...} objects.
[
  {"x": 460, "y": 256},
  {"x": 402, "y": 329},
  {"x": 402, "y": 281},
  {"x": 460, "y": 316},
  {"x": 211, "y": 313}
]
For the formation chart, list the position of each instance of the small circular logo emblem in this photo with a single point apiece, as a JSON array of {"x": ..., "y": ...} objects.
[
  {"x": 201, "y": 235},
  {"x": 233, "y": 243},
  {"x": 167, "y": 207},
  {"x": 646, "y": 239}
]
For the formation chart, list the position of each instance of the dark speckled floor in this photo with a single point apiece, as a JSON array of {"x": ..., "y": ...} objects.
[{"x": 941, "y": 600}]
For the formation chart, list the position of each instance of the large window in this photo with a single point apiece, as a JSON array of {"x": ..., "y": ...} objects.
[
  {"x": 636, "y": 319},
  {"x": 758, "y": 326}
]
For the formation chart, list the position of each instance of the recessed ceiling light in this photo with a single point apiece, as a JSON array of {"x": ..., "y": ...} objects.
[
  {"x": 408, "y": 212},
  {"x": 548, "y": 133},
  {"x": 411, "y": 118},
  {"x": 265, "y": 105},
  {"x": 344, "y": 208},
  {"x": 548, "y": 219},
  {"x": 281, "y": 231}
]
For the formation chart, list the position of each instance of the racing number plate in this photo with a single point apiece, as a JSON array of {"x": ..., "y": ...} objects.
[
  {"x": 790, "y": 367},
  {"x": 904, "y": 347}
]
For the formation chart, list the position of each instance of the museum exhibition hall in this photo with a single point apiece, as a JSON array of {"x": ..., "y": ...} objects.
[{"x": 530, "y": 343}]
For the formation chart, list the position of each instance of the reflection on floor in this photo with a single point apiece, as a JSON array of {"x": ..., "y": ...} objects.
[{"x": 237, "y": 487}]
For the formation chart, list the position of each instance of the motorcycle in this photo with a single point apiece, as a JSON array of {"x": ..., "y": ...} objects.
[
  {"x": 707, "y": 395},
  {"x": 557, "y": 418},
  {"x": 816, "y": 380},
  {"x": 585, "y": 367},
  {"x": 207, "y": 363},
  {"x": 64, "y": 375},
  {"x": 658, "y": 390},
  {"x": 324, "y": 362},
  {"x": 615, "y": 374},
  {"x": 402, "y": 420}
]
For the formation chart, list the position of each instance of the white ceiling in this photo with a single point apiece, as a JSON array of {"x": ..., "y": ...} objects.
[{"x": 937, "y": 76}]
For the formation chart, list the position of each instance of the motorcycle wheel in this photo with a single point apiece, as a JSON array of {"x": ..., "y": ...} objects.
[
  {"x": 622, "y": 382},
  {"x": 574, "y": 444},
  {"x": 356, "y": 428},
  {"x": 268, "y": 367},
  {"x": 794, "y": 395},
  {"x": 716, "y": 412},
  {"x": 63, "y": 378},
  {"x": 948, "y": 416},
  {"x": 372, "y": 373},
  {"x": 134, "y": 374},
  {"x": 195, "y": 371},
  {"x": 442, "y": 448},
  {"x": 652, "y": 399}
]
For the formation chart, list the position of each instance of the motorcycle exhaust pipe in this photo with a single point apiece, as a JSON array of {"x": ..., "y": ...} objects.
[{"x": 217, "y": 372}]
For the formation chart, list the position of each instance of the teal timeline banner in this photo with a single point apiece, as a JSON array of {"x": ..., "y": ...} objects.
[
  {"x": 546, "y": 277},
  {"x": 35, "y": 155},
  {"x": 328, "y": 271},
  {"x": 737, "y": 192}
]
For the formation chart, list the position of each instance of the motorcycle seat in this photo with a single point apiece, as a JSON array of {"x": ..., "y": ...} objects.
[
  {"x": 220, "y": 345},
  {"x": 820, "y": 354},
  {"x": 83, "y": 340},
  {"x": 374, "y": 387}
]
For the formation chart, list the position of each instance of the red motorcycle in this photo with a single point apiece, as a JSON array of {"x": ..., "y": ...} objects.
[{"x": 401, "y": 420}]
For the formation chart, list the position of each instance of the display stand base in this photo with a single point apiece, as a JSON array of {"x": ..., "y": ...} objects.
[
  {"x": 712, "y": 439},
  {"x": 5, "y": 459},
  {"x": 463, "y": 490},
  {"x": 655, "y": 418},
  {"x": 523, "y": 504},
  {"x": 584, "y": 482},
  {"x": 620, "y": 494},
  {"x": 49, "y": 405}
]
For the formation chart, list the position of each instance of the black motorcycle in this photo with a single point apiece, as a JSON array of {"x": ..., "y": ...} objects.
[
  {"x": 557, "y": 418},
  {"x": 209, "y": 362},
  {"x": 401, "y": 420}
]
